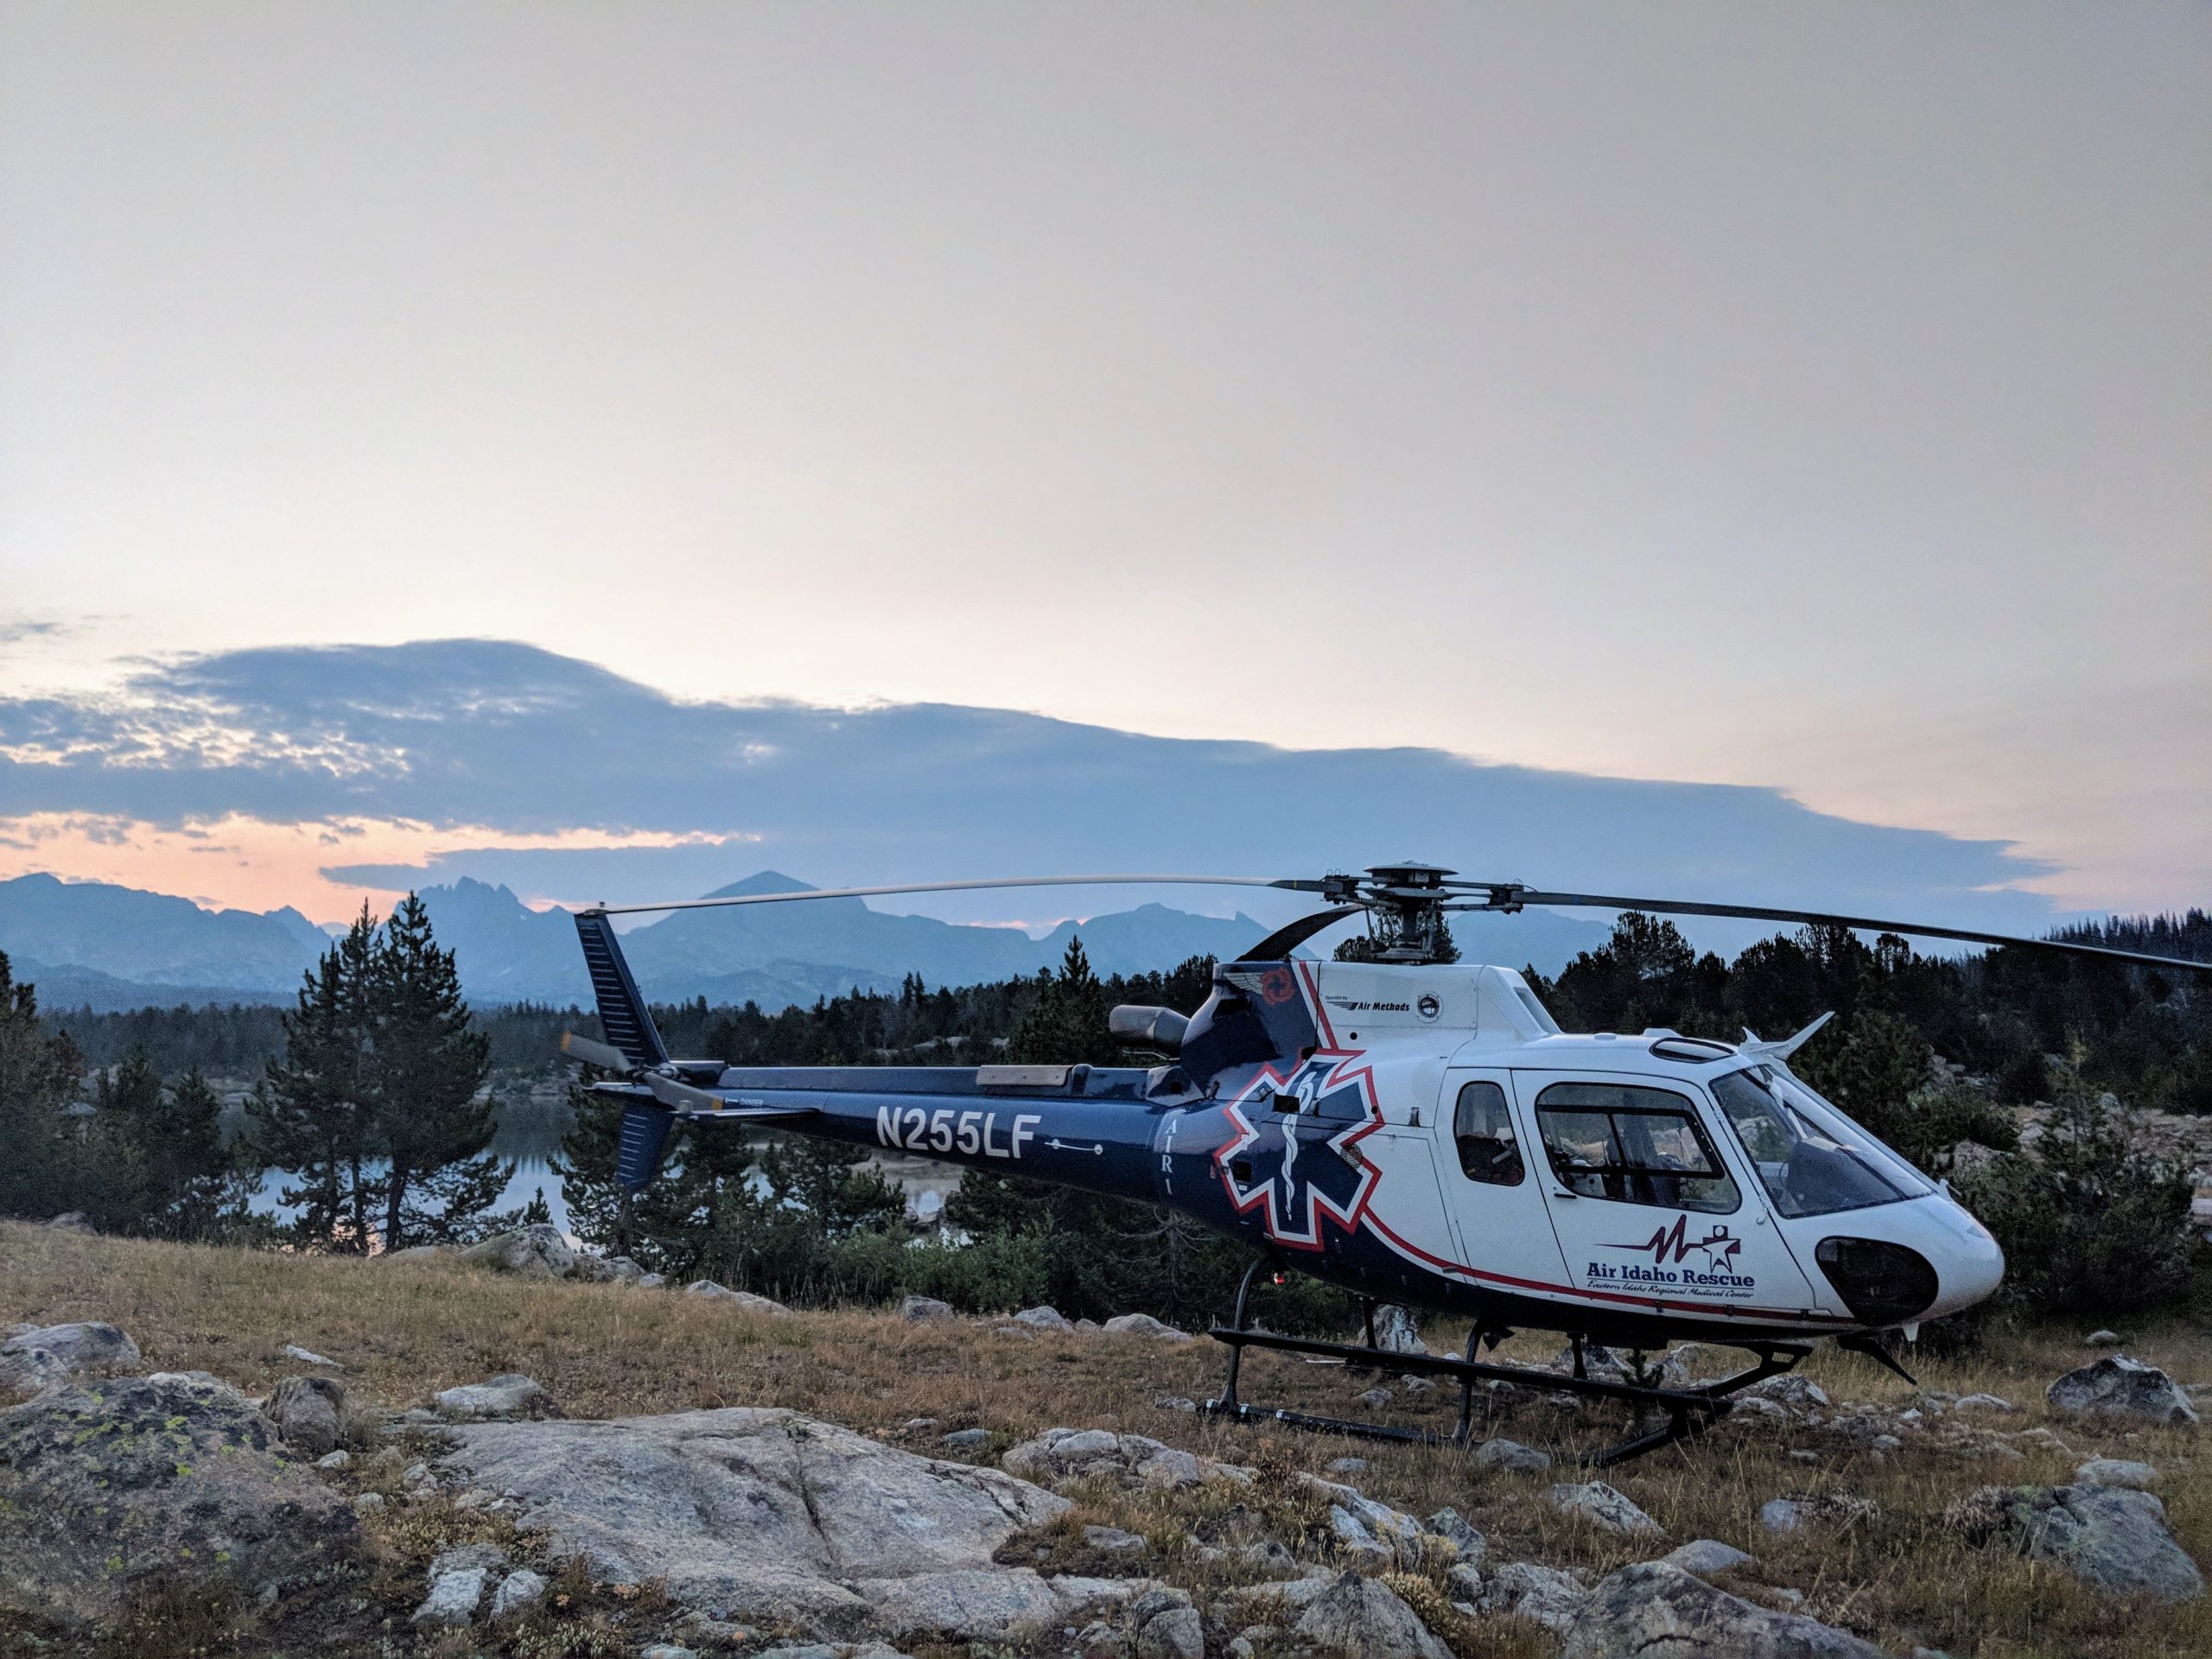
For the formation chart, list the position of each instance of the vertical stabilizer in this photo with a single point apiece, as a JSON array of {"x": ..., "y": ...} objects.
[{"x": 622, "y": 1015}]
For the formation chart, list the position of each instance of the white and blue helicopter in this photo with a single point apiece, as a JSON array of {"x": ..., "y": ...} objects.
[{"x": 1415, "y": 1131}]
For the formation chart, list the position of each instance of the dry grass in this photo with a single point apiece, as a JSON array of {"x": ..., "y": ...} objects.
[{"x": 405, "y": 1331}]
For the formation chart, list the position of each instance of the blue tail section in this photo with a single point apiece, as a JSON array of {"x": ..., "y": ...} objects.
[
  {"x": 645, "y": 1137},
  {"x": 622, "y": 1014}
]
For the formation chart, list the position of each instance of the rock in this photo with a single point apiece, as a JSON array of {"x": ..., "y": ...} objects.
[
  {"x": 917, "y": 1425},
  {"x": 744, "y": 1300},
  {"x": 71, "y": 1221},
  {"x": 1800, "y": 1509},
  {"x": 1348, "y": 1466},
  {"x": 1604, "y": 1508},
  {"x": 1349, "y": 1534},
  {"x": 1985, "y": 1402},
  {"x": 2117, "y": 1471},
  {"x": 2108, "y": 1536},
  {"x": 2117, "y": 1386},
  {"x": 536, "y": 1251},
  {"x": 1175, "y": 1403},
  {"x": 754, "y": 1513},
  {"x": 1706, "y": 1556},
  {"x": 1793, "y": 1394},
  {"x": 967, "y": 1439},
  {"x": 368, "y": 1502},
  {"x": 452, "y": 1600},
  {"x": 490, "y": 1558},
  {"x": 518, "y": 1592},
  {"x": 1172, "y": 1633},
  {"x": 671, "y": 1650},
  {"x": 509, "y": 1395},
  {"x": 2101, "y": 1339},
  {"x": 1654, "y": 1609},
  {"x": 308, "y": 1412},
  {"x": 1043, "y": 1319},
  {"x": 111, "y": 1487},
  {"x": 335, "y": 1460},
  {"x": 1544, "y": 1594},
  {"x": 1396, "y": 1332},
  {"x": 650, "y": 1281},
  {"x": 308, "y": 1356},
  {"x": 1465, "y": 1580},
  {"x": 1111, "y": 1538},
  {"x": 45, "y": 1357},
  {"x": 1135, "y": 1460},
  {"x": 922, "y": 1310},
  {"x": 1375, "y": 1398},
  {"x": 1967, "y": 1156},
  {"x": 1143, "y": 1325},
  {"x": 1512, "y": 1455},
  {"x": 1448, "y": 1525},
  {"x": 978, "y": 1605},
  {"x": 1366, "y": 1616}
]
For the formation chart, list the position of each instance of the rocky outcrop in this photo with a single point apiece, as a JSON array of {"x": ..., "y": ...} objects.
[
  {"x": 106, "y": 1487},
  {"x": 43, "y": 1356},
  {"x": 538, "y": 1251},
  {"x": 925, "y": 1310},
  {"x": 2117, "y": 1386},
  {"x": 1135, "y": 1460},
  {"x": 758, "y": 1514},
  {"x": 1044, "y": 1319},
  {"x": 2109, "y": 1536},
  {"x": 1654, "y": 1610}
]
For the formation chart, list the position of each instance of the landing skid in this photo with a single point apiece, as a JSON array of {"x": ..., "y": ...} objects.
[{"x": 1690, "y": 1412}]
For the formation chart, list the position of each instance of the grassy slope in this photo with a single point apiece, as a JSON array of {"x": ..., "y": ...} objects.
[{"x": 406, "y": 1331}]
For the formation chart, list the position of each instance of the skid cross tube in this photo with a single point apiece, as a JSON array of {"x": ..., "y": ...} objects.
[{"x": 1689, "y": 1411}]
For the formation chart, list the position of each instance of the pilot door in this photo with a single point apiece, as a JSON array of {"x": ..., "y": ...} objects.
[{"x": 1645, "y": 1204}]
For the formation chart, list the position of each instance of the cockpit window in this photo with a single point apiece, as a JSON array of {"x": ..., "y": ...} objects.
[
  {"x": 1482, "y": 1127},
  {"x": 1812, "y": 1158},
  {"x": 1636, "y": 1146}
]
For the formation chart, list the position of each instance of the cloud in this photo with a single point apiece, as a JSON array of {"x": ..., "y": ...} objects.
[{"x": 521, "y": 742}]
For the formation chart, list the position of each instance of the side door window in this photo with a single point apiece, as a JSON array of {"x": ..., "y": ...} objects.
[
  {"x": 1482, "y": 1130},
  {"x": 1633, "y": 1146}
]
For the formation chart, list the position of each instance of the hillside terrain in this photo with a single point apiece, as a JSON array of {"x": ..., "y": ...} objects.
[{"x": 1893, "y": 1515}]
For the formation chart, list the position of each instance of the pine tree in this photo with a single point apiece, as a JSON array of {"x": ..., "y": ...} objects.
[
  {"x": 315, "y": 1112},
  {"x": 429, "y": 1065},
  {"x": 38, "y": 1075}
]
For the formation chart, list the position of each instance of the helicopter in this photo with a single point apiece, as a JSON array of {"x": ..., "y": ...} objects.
[{"x": 1417, "y": 1131}]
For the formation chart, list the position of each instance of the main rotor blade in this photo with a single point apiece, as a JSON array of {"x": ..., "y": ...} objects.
[
  {"x": 590, "y": 1052},
  {"x": 1761, "y": 914},
  {"x": 961, "y": 886}
]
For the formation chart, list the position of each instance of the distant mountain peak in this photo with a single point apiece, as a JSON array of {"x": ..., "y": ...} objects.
[{"x": 763, "y": 881}]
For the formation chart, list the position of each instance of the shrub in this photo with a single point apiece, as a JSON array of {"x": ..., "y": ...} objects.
[{"x": 2089, "y": 1224}]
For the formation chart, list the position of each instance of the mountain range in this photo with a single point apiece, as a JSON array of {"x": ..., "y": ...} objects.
[{"x": 87, "y": 943}]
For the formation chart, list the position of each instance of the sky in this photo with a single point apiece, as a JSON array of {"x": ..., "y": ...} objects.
[{"x": 1815, "y": 402}]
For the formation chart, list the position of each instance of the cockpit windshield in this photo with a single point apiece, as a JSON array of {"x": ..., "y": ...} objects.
[{"x": 1814, "y": 1160}]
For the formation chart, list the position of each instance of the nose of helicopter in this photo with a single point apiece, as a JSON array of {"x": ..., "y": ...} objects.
[{"x": 1969, "y": 1264}]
